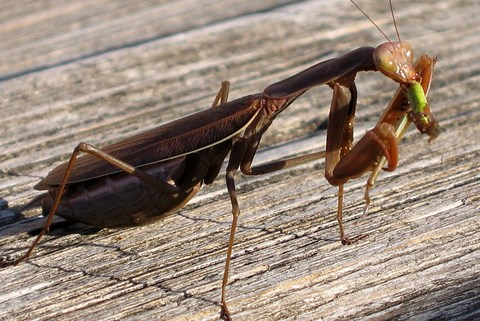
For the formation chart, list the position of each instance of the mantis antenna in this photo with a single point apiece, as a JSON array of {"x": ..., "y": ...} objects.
[
  {"x": 373, "y": 22},
  {"x": 394, "y": 20}
]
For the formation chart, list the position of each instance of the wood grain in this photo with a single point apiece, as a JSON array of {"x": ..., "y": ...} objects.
[{"x": 99, "y": 71}]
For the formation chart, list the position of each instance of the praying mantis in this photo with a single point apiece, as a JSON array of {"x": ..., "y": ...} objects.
[{"x": 144, "y": 178}]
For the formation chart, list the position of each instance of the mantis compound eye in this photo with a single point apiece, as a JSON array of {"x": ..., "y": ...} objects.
[{"x": 395, "y": 60}]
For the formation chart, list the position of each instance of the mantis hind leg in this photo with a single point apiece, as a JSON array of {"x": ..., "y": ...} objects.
[{"x": 89, "y": 149}]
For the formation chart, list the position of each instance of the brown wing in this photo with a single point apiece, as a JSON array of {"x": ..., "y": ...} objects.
[{"x": 176, "y": 138}]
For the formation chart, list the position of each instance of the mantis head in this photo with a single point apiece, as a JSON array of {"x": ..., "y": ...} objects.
[{"x": 395, "y": 60}]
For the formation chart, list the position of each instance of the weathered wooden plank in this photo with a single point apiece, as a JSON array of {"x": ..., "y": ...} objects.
[{"x": 101, "y": 71}]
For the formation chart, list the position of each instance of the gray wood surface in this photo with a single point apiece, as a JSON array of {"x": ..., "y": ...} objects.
[{"x": 99, "y": 71}]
